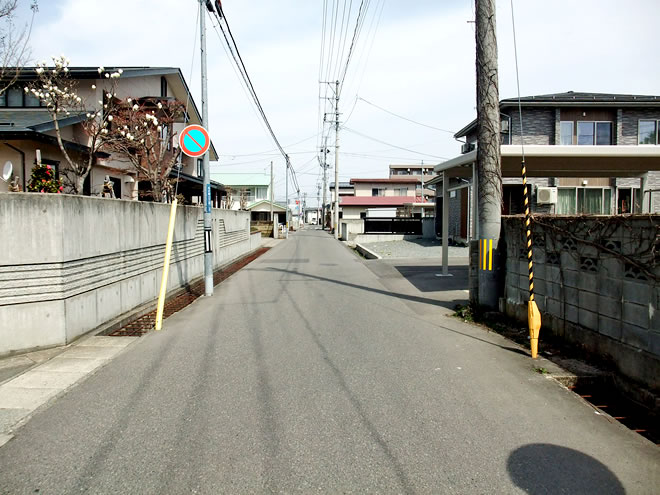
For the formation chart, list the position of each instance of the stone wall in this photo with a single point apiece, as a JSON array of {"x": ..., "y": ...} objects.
[
  {"x": 69, "y": 264},
  {"x": 597, "y": 284}
]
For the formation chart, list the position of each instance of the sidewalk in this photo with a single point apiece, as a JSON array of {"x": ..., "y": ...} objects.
[{"x": 59, "y": 369}]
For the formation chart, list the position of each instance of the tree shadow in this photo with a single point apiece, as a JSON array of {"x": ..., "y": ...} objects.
[{"x": 545, "y": 468}]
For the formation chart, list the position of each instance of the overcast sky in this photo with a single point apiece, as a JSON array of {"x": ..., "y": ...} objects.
[{"x": 415, "y": 59}]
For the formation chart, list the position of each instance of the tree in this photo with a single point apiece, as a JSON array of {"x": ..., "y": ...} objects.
[
  {"x": 142, "y": 129},
  {"x": 14, "y": 51},
  {"x": 56, "y": 89}
]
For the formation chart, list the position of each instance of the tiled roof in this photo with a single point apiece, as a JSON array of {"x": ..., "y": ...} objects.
[
  {"x": 574, "y": 96},
  {"x": 398, "y": 180}
]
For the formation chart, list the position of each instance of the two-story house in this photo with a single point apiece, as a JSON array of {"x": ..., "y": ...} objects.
[
  {"x": 385, "y": 197},
  {"x": 25, "y": 127},
  {"x": 243, "y": 189},
  {"x": 586, "y": 153}
]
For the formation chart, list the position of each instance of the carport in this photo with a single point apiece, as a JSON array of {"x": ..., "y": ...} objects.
[{"x": 544, "y": 161}]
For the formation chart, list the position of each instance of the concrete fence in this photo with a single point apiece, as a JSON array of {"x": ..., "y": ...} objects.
[
  {"x": 596, "y": 281},
  {"x": 69, "y": 264}
]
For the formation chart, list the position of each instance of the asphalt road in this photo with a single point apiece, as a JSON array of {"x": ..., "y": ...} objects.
[{"x": 312, "y": 370}]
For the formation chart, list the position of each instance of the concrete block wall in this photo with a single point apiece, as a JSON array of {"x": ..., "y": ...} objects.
[
  {"x": 68, "y": 264},
  {"x": 588, "y": 293}
]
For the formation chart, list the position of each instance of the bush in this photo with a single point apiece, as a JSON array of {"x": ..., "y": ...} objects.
[{"x": 43, "y": 180}]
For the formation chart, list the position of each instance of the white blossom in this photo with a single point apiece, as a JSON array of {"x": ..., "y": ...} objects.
[
  {"x": 26, "y": 89},
  {"x": 100, "y": 70},
  {"x": 135, "y": 107},
  {"x": 39, "y": 70},
  {"x": 159, "y": 128},
  {"x": 121, "y": 71},
  {"x": 160, "y": 105},
  {"x": 93, "y": 86},
  {"x": 107, "y": 75},
  {"x": 110, "y": 117}
]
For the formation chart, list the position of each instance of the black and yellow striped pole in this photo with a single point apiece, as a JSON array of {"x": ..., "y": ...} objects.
[{"x": 533, "y": 314}]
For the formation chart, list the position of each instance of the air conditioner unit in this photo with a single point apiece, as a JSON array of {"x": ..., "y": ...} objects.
[
  {"x": 546, "y": 196},
  {"x": 467, "y": 147}
]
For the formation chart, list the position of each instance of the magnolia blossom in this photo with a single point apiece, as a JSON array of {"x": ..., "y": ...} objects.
[
  {"x": 110, "y": 117},
  {"x": 121, "y": 71},
  {"x": 100, "y": 70},
  {"x": 160, "y": 105},
  {"x": 93, "y": 86},
  {"x": 135, "y": 107},
  {"x": 39, "y": 70}
]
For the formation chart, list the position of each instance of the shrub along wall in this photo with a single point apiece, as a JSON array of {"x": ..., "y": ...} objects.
[{"x": 597, "y": 284}]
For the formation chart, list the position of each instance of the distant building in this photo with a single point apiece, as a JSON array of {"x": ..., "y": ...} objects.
[{"x": 243, "y": 189}]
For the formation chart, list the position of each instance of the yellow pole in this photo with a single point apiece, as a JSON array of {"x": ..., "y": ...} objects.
[{"x": 166, "y": 267}]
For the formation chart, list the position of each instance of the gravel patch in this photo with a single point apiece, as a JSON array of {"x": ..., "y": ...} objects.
[{"x": 418, "y": 248}]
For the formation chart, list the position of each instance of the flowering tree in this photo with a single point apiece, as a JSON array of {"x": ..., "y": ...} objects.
[
  {"x": 142, "y": 130},
  {"x": 57, "y": 90}
]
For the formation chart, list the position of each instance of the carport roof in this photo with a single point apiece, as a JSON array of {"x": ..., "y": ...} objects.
[{"x": 564, "y": 161}]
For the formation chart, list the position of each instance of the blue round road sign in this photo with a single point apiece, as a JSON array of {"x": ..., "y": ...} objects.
[{"x": 194, "y": 140}]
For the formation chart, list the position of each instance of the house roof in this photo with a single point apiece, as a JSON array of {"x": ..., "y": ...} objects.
[
  {"x": 33, "y": 120},
  {"x": 172, "y": 74},
  {"x": 573, "y": 98},
  {"x": 399, "y": 180},
  {"x": 342, "y": 185},
  {"x": 276, "y": 207},
  {"x": 375, "y": 200},
  {"x": 241, "y": 179}
]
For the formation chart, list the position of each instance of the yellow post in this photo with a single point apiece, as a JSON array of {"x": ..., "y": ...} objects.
[{"x": 166, "y": 267}]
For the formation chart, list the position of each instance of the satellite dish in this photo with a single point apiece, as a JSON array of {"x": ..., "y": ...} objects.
[{"x": 7, "y": 170}]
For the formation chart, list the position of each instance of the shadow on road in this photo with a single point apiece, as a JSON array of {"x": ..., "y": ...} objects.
[
  {"x": 406, "y": 297},
  {"x": 425, "y": 278},
  {"x": 545, "y": 468}
]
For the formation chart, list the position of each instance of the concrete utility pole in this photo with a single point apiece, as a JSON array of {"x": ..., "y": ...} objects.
[
  {"x": 488, "y": 152},
  {"x": 270, "y": 197},
  {"x": 325, "y": 179},
  {"x": 336, "y": 159},
  {"x": 286, "y": 236},
  {"x": 208, "y": 252}
]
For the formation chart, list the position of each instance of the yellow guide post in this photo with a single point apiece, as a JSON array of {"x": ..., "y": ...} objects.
[
  {"x": 166, "y": 267},
  {"x": 533, "y": 313}
]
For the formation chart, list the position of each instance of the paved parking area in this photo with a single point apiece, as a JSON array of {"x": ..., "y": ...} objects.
[{"x": 416, "y": 248}]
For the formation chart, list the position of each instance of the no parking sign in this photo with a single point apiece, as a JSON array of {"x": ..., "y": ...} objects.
[{"x": 194, "y": 140}]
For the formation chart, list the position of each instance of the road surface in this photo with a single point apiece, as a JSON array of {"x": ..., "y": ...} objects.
[{"x": 313, "y": 370}]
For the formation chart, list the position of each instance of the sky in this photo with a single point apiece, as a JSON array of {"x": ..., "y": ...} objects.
[{"x": 414, "y": 59}]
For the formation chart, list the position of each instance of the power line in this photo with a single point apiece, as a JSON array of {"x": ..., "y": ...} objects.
[
  {"x": 393, "y": 145},
  {"x": 406, "y": 118}
]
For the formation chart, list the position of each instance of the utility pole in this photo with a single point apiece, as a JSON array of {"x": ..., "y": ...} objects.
[
  {"x": 488, "y": 153},
  {"x": 288, "y": 164},
  {"x": 336, "y": 159},
  {"x": 270, "y": 196},
  {"x": 208, "y": 252},
  {"x": 318, "y": 203},
  {"x": 325, "y": 179}
]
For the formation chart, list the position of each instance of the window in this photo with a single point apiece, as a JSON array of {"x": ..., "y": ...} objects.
[
  {"x": 14, "y": 97},
  {"x": 603, "y": 133},
  {"x": 566, "y": 130},
  {"x": 401, "y": 191},
  {"x": 3, "y": 99},
  {"x": 648, "y": 132},
  {"x": 584, "y": 200},
  {"x": 378, "y": 191},
  {"x": 261, "y": 193},
  {"x": 163, "y": 87},
  {"x": 31, "y": 100},
  {"x": 628, "y": 200},
  {"x": 589, "y": 133}
]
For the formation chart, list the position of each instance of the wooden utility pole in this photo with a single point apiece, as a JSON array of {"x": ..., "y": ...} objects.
[{"x": 489, "y": 171}]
